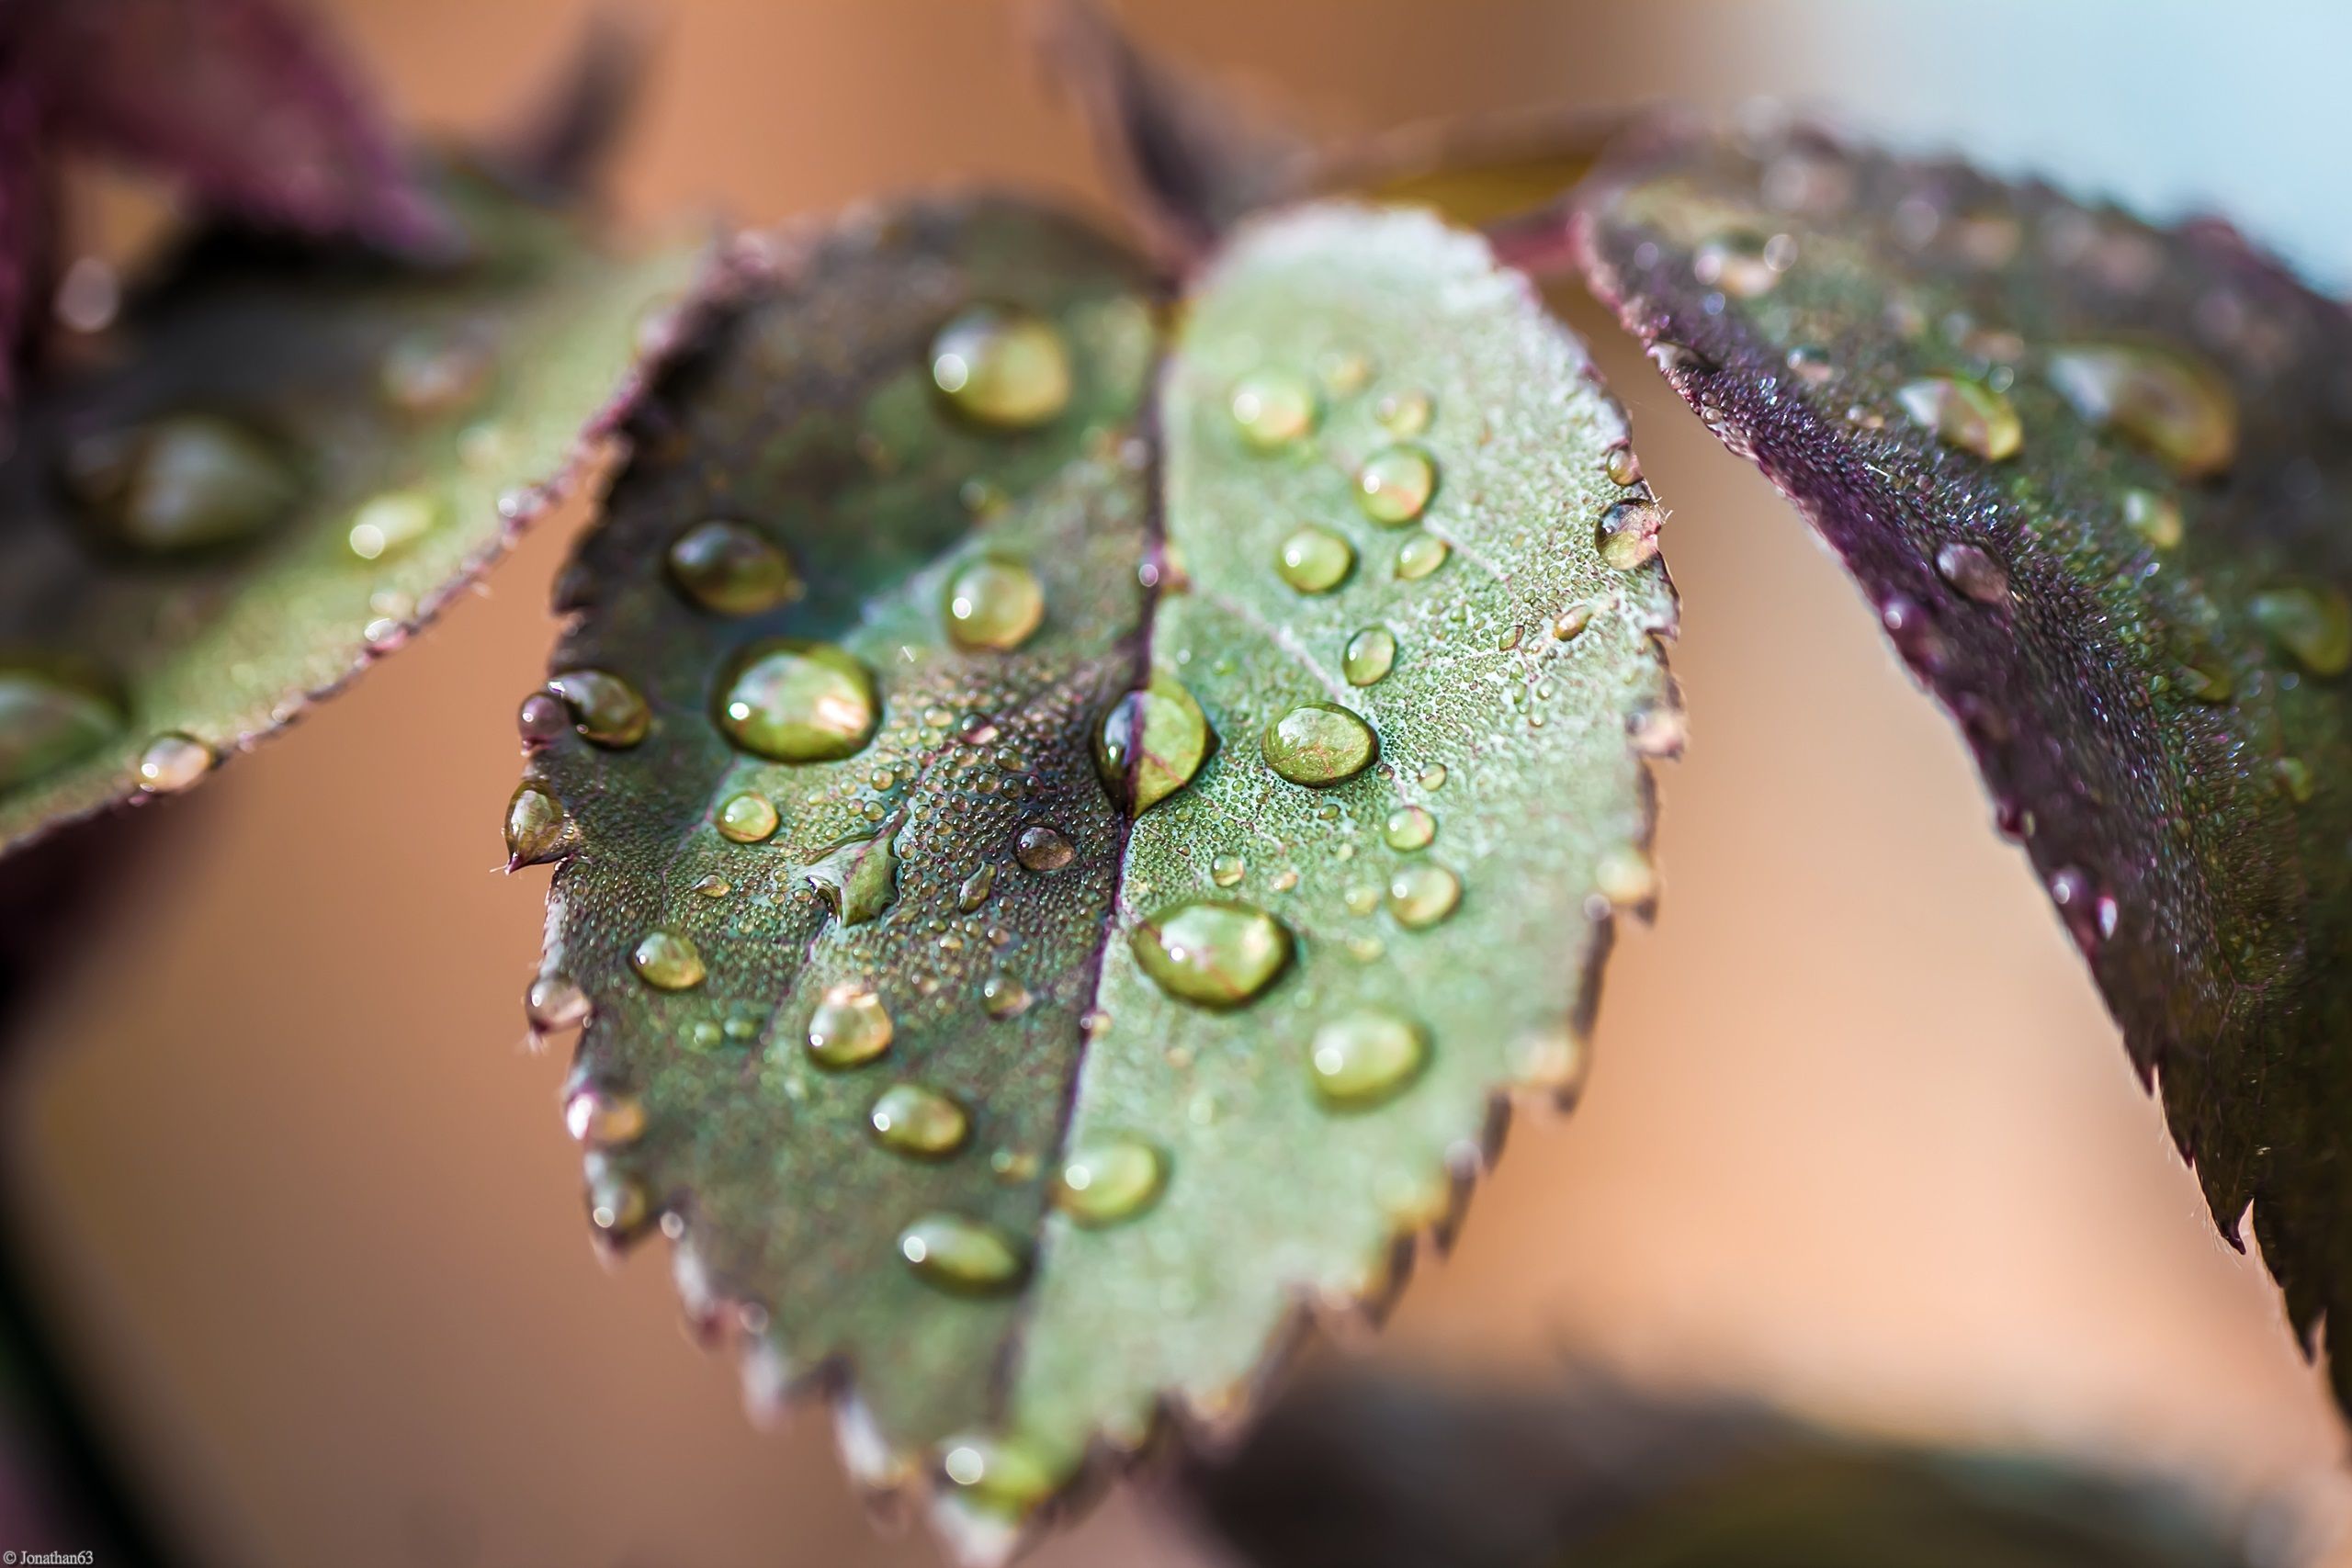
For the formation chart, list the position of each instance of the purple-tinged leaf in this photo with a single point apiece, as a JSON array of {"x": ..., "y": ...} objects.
[{"x": 2096, "y": 477}]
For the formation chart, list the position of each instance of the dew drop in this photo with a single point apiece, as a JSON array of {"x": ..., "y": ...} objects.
[
  {"x": 1274, "y": 408},
  {"x": 1319, "y": 745},
  {"x": 1366, "y": 1058},
  {"x": 1743, "y": 264},
  {"x": 601, "y": 1118},
  {"x": 730, "y": 570},
  {"x": 616, "y": 1204},
  {"x": 976, "y": 888},
  {"x": 392, "y": 521},
  {"x": 849, "y": 1027},
  {"x": 2161, "y": 398},
  {"x": 747, "y": 818},
  {"x": 1044, "y": 850},
  {"x": 962, "y": 1255},
  {"x": 48, "y": 719},
  {"x": 1625, "y": 876},
  {"x": 1405, "y": 414},
  {"x": 2310, "y": 622},
  {"x": 1963, "y": 413},
  {"x": 712, "y": 886},
  {"x": 1419, "y": 556},
  {"x": 605, "y": 709},
  {"x": 913, "y": 1120},
  {"x": 537, "y": 826},
  {"x": 1212, "y": 952},
  {"x": 798, "y": 702},
  {"x": 1006, "y": 1476},
  {"x": 1005, "y": 368},
  {"x": 1409, "y": 827},
  {"x": 1570, "y": 623},
  {"x": 1227, "y": 871},
  {"x": 555, "y": 1002},
  {"x": 1316, "y": 560},
  {"x": 1370, "y": 655},
  {"x": 667, "y": 962},
  {"x": 1150, "y": 743},
  {"x": 1395, "y": 485},
  {"x": 541, "y": 719},
  {"x": 427, "y": 374},
  {"x": 993, "y": 604},
  {"x": 186, "y": 482},
  {"x": 173, "y": 763},
  {"x": 2155, "y": 517},
  {"x": 1420, "y": 896},
  {"x": 1623, "y": 467},
  {"x": 1107, "y": 1179},
  {"x": 1627, "y": 533},
  {"x": 1973, "y": 573}
]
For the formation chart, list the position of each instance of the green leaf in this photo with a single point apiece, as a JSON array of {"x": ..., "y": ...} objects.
[
  {"x": 281, "y": 463},
  {"x": 2095, "y": 476},
  {"x": 1079, "y": 1112}
]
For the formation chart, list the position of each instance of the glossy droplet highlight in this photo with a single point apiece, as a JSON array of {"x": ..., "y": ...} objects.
[
  {"x": 1627, "y": 533},
  {"x": 913, "y": 1120},
  {"x": 667, "y": 962},
  {"x": 1419, "y": 556},
  {"x": 2155, "y": 518},
  {"x": 1420, "y": 895},
  {"x": 1370, "y": 655},
  {"x": 1150, "y": 743},
  {"x": 1395, "y": 485},
  {"x": 730, "y": 570},
  {"x": 1008, "y": 370},
  {"x": 187, "y": 482},
  {"x": 389, "y": 522},
  {"x": 747, "y": 818},
  {"x": 2310, "y": 622},
  {"x": 1409, "y": 827},
  {"x": 2161, "y": 398},
  {"x": 1212, "y": 952},
  {"x": 48, "y": 719},
  {"x": 1007, "y": 1476},
  {"x": 537, "y": 826},
  {"x": 600, "y": 1119},
  {"x": 1319, "y": 745},
  {"x": 173, "y": 763},
  {"x": 1274, "y": 408},
  {"x": 1963, "y": 413},
  {"x": 993, "y": 604},
  {"x": 1973, "y": 573},
  {"x": 849, "y": 1028},
  {"x": 1315, "y": 559},
  {"x": 1364, "y": 1058},
  {"x": 605, "y": 710},
  {"x": 1108, "y": 1180},
  {"x": 798, "y": 702},
  {"x": 962, "y": 1255},
  {"x": 1043, "y": 849}
]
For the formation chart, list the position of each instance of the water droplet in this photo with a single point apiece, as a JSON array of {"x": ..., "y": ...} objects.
[
  {"x": 1625, "y": 876},
  {"x": 1227, "y": 871},
  {"x": 913, "y": 1120},
  {"x": 173, "y": 763},
  {"x": 1150, "y": 743},
  {"x": 1316, "y": 560},
  {"x": 1409, "y": 827},
  {"x": 1370, "y": 655},
  {"x": 1043, "y": 849},
  {"x": 1395, "y": 485},
  {"x": 994, "y": 604},
  {"x": 1623, "y": 467},
  {"x": 1003, "y": 997},
  {"x": 1963, "y": 413},
  {"x": 555, "y": 1002},
  {"x": 1212, "y": 952},
  {"x": 1319, "y": 745},
  {"x": 1405, "y": 414},
  {"x": 537, "y": 826},
  {"x": 1343, "y": 371},
  {"x": 712, "y": 886},
  {"x": 1627, "y": 533},
  {"x": 1419, "y": 556},
  {"x": 185, "y": 483},
  {"x": 961, "y": 1255},
  {"x": 1274, "y": 408},
  {"x": 1365, "y": 1058},
  {"x": 747, "y": 818},
  {"x": 601, "y": 1118},
  {"x": 2309, "y": 621},
  {"x": 616, "y": 1204},
  {"x": 2155, "y": 518},
  {"x": 48, "y": 719},
  {"x": 1422, "y": 895},
  {"x": 605, "y": 710},
  {"x": 392, "y": 521},
  {"x": 667, "y": 962},
  {"x": 426, "y": 374},
  {"x": 1005, "y": 368},
  {"x": 1973, "y": 573},
  {"x": 2175, "y": 406},
  {"x": 1108, "y": 1180},
  {"x": 1742, "y": 262},
  {"x": 1007, "y": 1476},
  {"x": 730, "y": 570},
  {"x": 798, "y": 702},
  {"x": 858, "y": 878},
  {"x": 849, "y": 1028},
  {"x": 1433, "y": 777},
  {"x": 975, "y": 890}
]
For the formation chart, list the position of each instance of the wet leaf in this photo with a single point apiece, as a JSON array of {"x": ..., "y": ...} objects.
[
  {"x": 2095, "y": 476},
  {"x": 274, "y": 470},
  {"x": 1370, "y": 1471},
  {"x": 1083, "y": 1110}
]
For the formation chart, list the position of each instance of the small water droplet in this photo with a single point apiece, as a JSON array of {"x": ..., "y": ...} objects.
[
  {"x": 1212, "y": 952},
  {"x": 601, "y": 1118},
  {"x": 1409, "y": 827},
  {"x": 1274, "y": 408},
  {"x": 389, "y": 522},
  {"x": 1008, "y": 1477},
  {"x": 975, "y": 890},
  {"x": 426, "y": 374},
  {"x": 1105, "y": 1180},
  {"x": 1743, "y": 262},
  {"x": 1364, "y": 1058},
  {"x": 1316, "y": 560},
  {"x": 913, "y": 1120},
  {"x": 2309, "y": 621},
  {"x": 1625, "y": 876},
  {"x": 618, "y": 1205},
  {"x": 993, "y": 602},
  {"x": 2161, "y": 398},
  {"x": 667, "y": 962},
  {"x": 555, "y": 1002},
  {"x": 186, "y": 482},
  {"x": 1227, "y": 871},
  {"x": 1003, "y": 997},
  {"x": 748, "y": 818},
  {"x": 798, "y": 702},
  {"x": 1319, "y": 745},
  {"x": 537, "y": 826},
  {"x": 1419, "y": 556},
  {"x": 1395, "y": 485},
  {"x": 1370, "y": 655},
  {"x": 2155, "y": 518},
  {"x": 1627, "y": 533},
  {"x": 1150, "y": 743},
  {"x": 712, "y": 886},
  {"x": 1344, "y": 372},
  {"x": 730, "y": 570},
  {"x": 849, "y": 1027},
  {"x": 1043, "y": 849},
  {"x": 1973, "y": 573},
  {"x": 1433, "y": 777},
  {"x": 962, "y": 1255},
  {"x": 173, "y": 763},
  {"x": 1004, "y": 369},
  {"x": 1406, "y": 413},
  {"x": 605, "y": 709},
  {"x": 48, "y": 718},
  {"x": 1570, "y": 623},
  {"x": 1964, "y": 414},
  {"x": 1421, "y": 894},
  {"x": 1812, "y": 364},
  {"x": 1623, "y": 467}
]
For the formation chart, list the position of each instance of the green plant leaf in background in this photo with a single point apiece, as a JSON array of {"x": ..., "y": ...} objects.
[
  {"x": 2095, "y": 476},
  {"x": 280, "y": 462},
  {"x": 1065, "y": 839}
]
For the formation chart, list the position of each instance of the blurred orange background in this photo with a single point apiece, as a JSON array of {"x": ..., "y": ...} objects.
[{"x": 1859, "y": 1133}]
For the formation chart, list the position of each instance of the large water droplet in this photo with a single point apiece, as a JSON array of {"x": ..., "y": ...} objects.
[
  {"x": 975, "y": 890},
  {"x": 2174, "y": 405},
  {"x": 604, "y": 1118},
  {"x": 1212, "y": 952},
  {"x": 48, "y": 719},
  {"x": 1107, "y": 1179},
  {"x": 555, "y": 1002},
  {"x": 537, "y": 826},
  {"x": 1419, "y": 556},
  {"x": 1627, "y": 533},
  {"x": 2155, "y": 518},
  {"x": 605, "y": 709},
  {"x": 849, "y": 1027},
  {"x": 1319, "y": 745},
  {"x": 183, "y": 482},
  {"x": 1003, "y": 997},
  {"x": 1973, "y": 573},
  {"x": 858, "y": 879},
  {"x": 1043, "y": 849},
  {"x": 1316, "y": 560},
  {"x": 1422, "y": 895},
  {"x": 1361, "y": 1059},
  {"x": 390, "y": 521},
  {"x": 798, "y": 702},
  {"x": 993, "y": 602},
  {"x": 914, "y": 1120},
  {"x": 667, "y": 962},
  {"x": 748, "y": 818},
  {"x": 1409, "y": 827},
  {"x": 1370, "y": 655},
  {"x": 963, "y": 1255},
  {"x": 1151, "y": 742},
  {"x": 1274, "y": 408},
  {"x": 730, "y": 570},
  {"x": 173, "y": 763},
  {"x": 1963, "y": 413},
  {"x": 1395, "y": 485},
  {"x": 1002, "y": 367},
  {"x": 2309, "y": 621}
]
